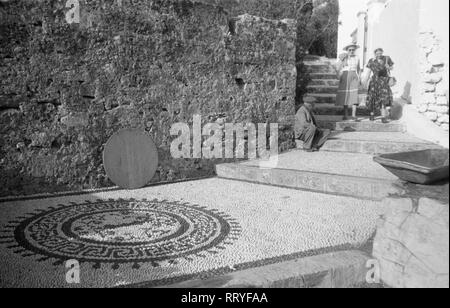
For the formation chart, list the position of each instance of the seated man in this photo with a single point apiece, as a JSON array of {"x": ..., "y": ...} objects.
[{"x": 306, "y": 128}]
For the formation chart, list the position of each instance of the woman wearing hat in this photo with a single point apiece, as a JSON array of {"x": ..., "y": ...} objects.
[
  {"x": 349, "y": 69},
  {"x": 380, "y": 95}
]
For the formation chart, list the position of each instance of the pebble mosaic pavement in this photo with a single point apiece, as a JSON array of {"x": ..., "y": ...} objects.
[{"x": 166, "y": 234}]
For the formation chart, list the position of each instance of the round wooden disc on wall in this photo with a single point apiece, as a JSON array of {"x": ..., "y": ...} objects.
[{"x": 130, "y": 159}]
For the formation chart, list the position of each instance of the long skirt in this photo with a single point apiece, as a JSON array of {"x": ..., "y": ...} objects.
[
  {"x": 348, "y": 89},
  {"x": 379, "y": 94}
]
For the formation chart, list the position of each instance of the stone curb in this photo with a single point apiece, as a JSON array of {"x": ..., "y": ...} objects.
[
  {"x": 336, "y": 123},
  {"x": 374, "y": 147},
  {"x": 335, "y": 184},
  {"x": 324, "y": 108},
  {"x": 333, "y": 270}
]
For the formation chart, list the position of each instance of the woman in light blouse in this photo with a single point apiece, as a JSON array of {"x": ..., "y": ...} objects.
[{"x": 348, "y": 69}]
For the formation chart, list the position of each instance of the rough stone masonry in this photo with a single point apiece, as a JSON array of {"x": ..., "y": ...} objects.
[
  {"x": 434, "y": 100},
  {"x": 66, "y": 88}
]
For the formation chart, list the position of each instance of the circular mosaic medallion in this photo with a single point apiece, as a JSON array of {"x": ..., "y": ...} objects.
[{"x": 126, "y": 231}]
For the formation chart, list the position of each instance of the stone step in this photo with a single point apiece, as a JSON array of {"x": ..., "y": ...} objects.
[
  {"x": 323, "y": 63},
  {"x": 324, "y": 82},
  {"x": 330, "y": 109},
  {"x": 314, "y": 58},
  {"x": 322, "y": 89},
  {"x": 341, "y": 269},
  {"x": 321, "y": 69},
  {"x": 365, "y": 125},
  {"x": 327, "y": 71},
  {"x": 331, "y": 75},
  {"x": 373, "y": 143},
  {"x": 318, "y": 82},
  {"x": 347, "y": 174},
  {"x": 323, "y": 98}
]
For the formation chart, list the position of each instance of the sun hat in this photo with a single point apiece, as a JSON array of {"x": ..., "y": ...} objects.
[{"x": 346, "y": 48}]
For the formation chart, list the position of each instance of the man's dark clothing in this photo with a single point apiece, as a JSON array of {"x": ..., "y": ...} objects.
[{"x": 306, "y": 129}]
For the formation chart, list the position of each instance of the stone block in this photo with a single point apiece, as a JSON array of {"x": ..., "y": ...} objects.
[
  {"x": 433, "y": 116},
  {"x": 442, "y": 101},
  {"x": 425, "y": 66},
  {"x": 436, "y": 211},
  {"x": 40, "y": 139},
  {"x": 442, "y": 89},
  {"x": 443, "y": 119},
  {"x": 427, "y": 41},
  {"x": 427, "y": 98},
  {"x": 428, "y": 87},
  {"x": 437, "y": 57},
  {"x": 75, "y": 120},
  {"x": 412, "y": 246},
  {"x": 438, "y": 109},
  {"x": 422, "y": 108},
  {"x": 433, "y": 78}
]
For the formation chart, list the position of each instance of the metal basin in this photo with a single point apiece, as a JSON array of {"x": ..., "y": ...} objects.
[{"x": 419, "y": 167}]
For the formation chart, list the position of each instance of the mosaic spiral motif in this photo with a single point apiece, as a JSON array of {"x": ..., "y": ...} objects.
[{"x": 126, "y": 231}]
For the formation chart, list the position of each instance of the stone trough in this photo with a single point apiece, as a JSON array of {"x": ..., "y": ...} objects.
[{"x": 420, "y": 167}]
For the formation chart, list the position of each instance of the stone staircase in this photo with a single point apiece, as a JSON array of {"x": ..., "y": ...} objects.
[
  {"x": 323, "y": 86},
  {"x": 323, "y": 83},
  {"x": 345, "y": 165}
]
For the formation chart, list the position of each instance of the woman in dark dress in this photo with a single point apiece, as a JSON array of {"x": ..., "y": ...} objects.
[{"x": 380, "y": 95}]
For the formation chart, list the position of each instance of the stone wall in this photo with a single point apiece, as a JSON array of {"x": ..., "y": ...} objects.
[
  {"x": 263, "y": 69},
  {"x": 66, "y": 88},
  {"x": 271, "y": 9},
  {"x": 434, "y": 83}
]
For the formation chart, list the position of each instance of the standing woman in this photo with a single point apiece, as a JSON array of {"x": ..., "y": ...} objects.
[
  {"x": 348, "y": 72},
  {"x": 380, "y": 95}
]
